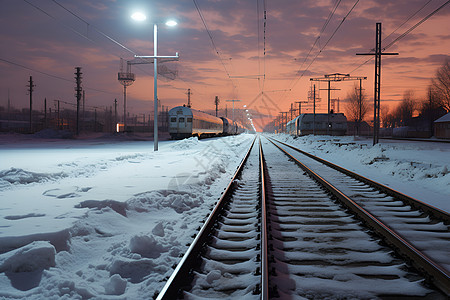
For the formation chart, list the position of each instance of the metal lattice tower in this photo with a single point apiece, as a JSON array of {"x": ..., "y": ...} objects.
[{"x": 126, "y": 79}]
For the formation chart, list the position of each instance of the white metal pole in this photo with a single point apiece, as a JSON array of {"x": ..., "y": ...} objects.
[{"x": 155, "y": 78}]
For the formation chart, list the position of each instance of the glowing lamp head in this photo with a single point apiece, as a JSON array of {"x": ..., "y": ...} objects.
[
  {"x": 171, "y": 23},
  {"x": 138, "y": 16}
]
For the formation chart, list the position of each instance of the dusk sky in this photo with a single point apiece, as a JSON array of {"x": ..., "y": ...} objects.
[{"x": 47, "y": 39}]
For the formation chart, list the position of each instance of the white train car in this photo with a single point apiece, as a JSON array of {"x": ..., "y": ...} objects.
[
  {"x": 186, "y": 122},
  {"x": 304, "y": 124}
]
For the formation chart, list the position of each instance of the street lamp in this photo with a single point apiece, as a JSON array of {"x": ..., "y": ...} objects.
[{"x": 138, "y": 16}]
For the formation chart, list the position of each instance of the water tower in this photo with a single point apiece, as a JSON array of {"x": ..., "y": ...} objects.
[{"x": 126, "y": 79}]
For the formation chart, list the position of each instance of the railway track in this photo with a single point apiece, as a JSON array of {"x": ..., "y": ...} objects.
[{"x": 279, "y": 231}]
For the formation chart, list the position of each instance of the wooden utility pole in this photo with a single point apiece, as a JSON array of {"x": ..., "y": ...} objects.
[
  {"x": 45, "y": 113},
  {"x": 189, "y": 98},
  {"x": 78, "y": 89},
  {"x": 216, "y": 103},
  {"x": 30, "y": 91},
  {"x": 377, "y": 85}
]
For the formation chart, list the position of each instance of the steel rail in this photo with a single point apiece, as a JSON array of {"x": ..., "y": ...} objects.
[
  {"x": 264, "y": 232},
  {"x": 180, "y": 275},
  {"x": 436, "y": 212},
  {"x": 437, "y": 275}
]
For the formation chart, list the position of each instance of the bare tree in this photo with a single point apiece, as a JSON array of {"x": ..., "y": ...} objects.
[
  {"x": 357, "y": 107},
  {"x": 405, "y": 110},
  {"x": 386, "y": 116},
  {"x": 441, "y": 85},
  {"x": 431, "y": 107}
]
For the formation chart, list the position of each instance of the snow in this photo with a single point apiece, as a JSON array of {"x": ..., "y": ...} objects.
[
  {"x": 418, "y": 169},
  {"x": 445, "y": 118},
  {"x": 103, "y": 217},
  {"x": 108, "y": 217}
]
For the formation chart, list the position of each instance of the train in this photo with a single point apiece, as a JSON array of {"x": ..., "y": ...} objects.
[
  {"x": 185, "y": 122},
  {"x": 320, "y": 124}
]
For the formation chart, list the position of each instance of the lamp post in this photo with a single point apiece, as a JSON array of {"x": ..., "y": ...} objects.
[{"x": 141, "y": 17}]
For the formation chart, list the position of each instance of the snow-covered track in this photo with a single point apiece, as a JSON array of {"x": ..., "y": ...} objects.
[
  {"x": 416, "y": 140},
  {"x": 224, "y": 258},
  {"x": 414, "y": 229}
]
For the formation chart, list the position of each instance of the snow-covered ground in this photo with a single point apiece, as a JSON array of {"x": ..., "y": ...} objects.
[
  {"x": 417, "y": 169},
  {"x": 108, "y": 217},
  {"x": 104, "y": 217}
]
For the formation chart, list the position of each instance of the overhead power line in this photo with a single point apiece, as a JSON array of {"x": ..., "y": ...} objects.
[
  {"x": 416, "y": 25},
  {"x": 212, "y": 40},
  {"x": 295, "y": 81},
  {"x": 50, "y": 75},
  {"x": 321, "y": 31},
  {"x": 95, "y": 28},
  {"x": 407, "y": 31}
]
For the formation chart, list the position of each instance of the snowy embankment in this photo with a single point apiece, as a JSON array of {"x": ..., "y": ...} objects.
[
  {"x": 104, "y": 218},
  {"x": 108, "y": 218},
  {"x": 417, "y": 169}
]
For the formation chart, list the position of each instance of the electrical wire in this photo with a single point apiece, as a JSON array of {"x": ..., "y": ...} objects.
[
  {"x": 51, "y": 75},
  {"x": 84, "y": 36},
  {"x": 408, "y": 31},
  {"x": 212, "y": 41},
  {"x": 93, "y": 27},
  {"x": 415, "y": 25},
  {"x": 296, "y": 80},
  {"x": 318, "y": 37}
]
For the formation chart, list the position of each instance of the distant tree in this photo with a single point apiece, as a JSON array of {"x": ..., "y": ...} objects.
[
  {"x": 386, "y": 117},
  {"x": 357, "y": 107},
  {"x": 441, "y": 85},
  {"x": 405, "y": 111},
  {"x": 431, "y": 107}
]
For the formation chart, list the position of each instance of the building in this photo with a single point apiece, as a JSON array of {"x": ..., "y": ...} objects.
[{"x": 442, "y": 127}]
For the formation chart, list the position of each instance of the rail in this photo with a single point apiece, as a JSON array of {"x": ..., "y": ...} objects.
[
  {"x": 436, "y": 212},
  {"x": 264, "y": 232},
  {"x": 180, "y": 274},
  {"x": 439, "y": 276}
]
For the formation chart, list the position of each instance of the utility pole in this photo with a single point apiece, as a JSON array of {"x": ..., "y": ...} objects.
[
  {"x": 78, "y": 89},
  {"x": 334, "y": 77},
  {"x": 115, "y": 115},
  {"x": 59, "y": 120},
  {"x": 314, "y": 111},
  {"x": 45, "y": 113},
  {"x": 216, "y": 102},
  {"x": 358, "y": 127},
  {"x": 233, "y": 105},
  {"x": 377, "y": 86},
  {"x": 283, "y": 120},
  {"x": 9, "y": 108},
  {"x": 147, "y": 59},
  {"x": 84, "y": 116},
  {"x": 300, "y": 106},
  {"x": 189, "y": 98},
  {"x": 292, "y": 109},
  {"x": 30, "y": 91}
]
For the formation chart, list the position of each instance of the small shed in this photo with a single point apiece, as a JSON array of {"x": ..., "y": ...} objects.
[{"x": 442, "y": 127}]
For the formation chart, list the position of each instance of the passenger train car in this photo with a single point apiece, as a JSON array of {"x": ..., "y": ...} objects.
[
  {"x": 231, "y": 128},
  {"x": 304, "y": 124},
  {"x": 185, "y": 122}
]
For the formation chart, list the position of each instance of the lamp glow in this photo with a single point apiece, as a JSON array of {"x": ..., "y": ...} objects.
[
  {"x": 171, "y": 23},
  {"x": 138, "y": 16}
]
